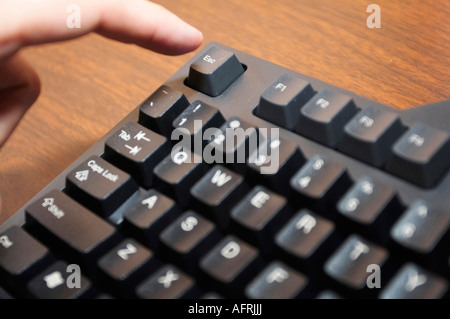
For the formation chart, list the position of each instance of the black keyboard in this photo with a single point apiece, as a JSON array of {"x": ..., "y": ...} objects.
[{"x": 239, "y": 178}]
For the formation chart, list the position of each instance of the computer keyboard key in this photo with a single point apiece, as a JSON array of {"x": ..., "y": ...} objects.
[
  {"x": 188, "y": 238},
  {"x": 258, "y": 216},
  {"x": 126, "y": 265},
  {"x": 21, "y": 256},
  {"x": 214, "y": 71},
  {"x": 99, "y": 185},
  {"x": 60, "y": 281},
  {"x": 136, "y": 150},
  {"x": 349, "y": 266},
  {"x": 328, "y": 294},
  {"x": 368, "y": 207},
  {"x": 322, "y": 119},
  {"x": 148, "y": 216},
  {"x": 216, "y": 192},
  {"x": 371, "y": 134},
  {"x": 421, "y": 156},
  {"x": 232, "y": 144},
  {"x": 319, "y": 184},
  {"x": 423, "y": 230},
  {"x": 159, "y": 110},
  {"x": 190, "y": 126},
  {"x": 278, "y": 281},
  {"x": 178, "y": 172},
  {"x": 414, "y": 282},
  {"x": 273, "y": 163},
  {"x": 230, "y": 265},
  {"x": 281, "y": 102},
  {"x": 168, "y": 282},
  {"x": 306, "y": 241},
  {"x": 69, "y": 229}
]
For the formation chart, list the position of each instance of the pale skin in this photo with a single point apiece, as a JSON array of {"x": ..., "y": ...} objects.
[{"x": 29, "y": 22}]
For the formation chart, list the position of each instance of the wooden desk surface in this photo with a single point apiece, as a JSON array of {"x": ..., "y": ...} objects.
[{"x": 89, "y": 84}]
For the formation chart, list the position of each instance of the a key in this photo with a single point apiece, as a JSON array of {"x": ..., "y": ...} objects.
[
  {"x": 425, "y": 231},
  {"x": 74, "y": 232},
  {"x": 177, "y": 172},
  {"x": 215, "y": 193},
  {"x": 168, "y": 282},
  {"x": 258, "y": 216},
  {"x": 352, "y": 263},
  {"x": 60, "y": 281},
  {"x": 124, "y": 266},
  {"x": 368, "y": 207},
  {"x": 100, "y": 186},
  {"x": 273, "y": 163},
  {"x": 278, "y": 281},
  {"x": 306, "y": 241},
  {"x": 281, "y": 102},
  {"x": 232, "y": 144},
  {"x": 413, "y": 282},
  {"x": 230, "y": 264},
  {"x": 21, "y": 256},
  {"x": 370, "y": 135},
  {"x": 421, "y": 156},
  {"x": 136, "y": 150},
  {"x": 148, "y": 216},
  {"x": 319, "y": 183},
  {"x": 189, "y": 128},
  {"x": 214, "y": 71},
  {"x": 159, "y": 110},
  {"x": 322, "y": 119},
  {"x": 188, "y": 238}
]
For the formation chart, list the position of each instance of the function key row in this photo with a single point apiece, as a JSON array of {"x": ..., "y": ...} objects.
[{"x": 373, "y": 135}]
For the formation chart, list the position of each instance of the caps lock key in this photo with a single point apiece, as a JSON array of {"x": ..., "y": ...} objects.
[{"x": 99, "y": 185}]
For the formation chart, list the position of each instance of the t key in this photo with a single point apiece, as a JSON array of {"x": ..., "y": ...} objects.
[{"x": 349, "y": 265}]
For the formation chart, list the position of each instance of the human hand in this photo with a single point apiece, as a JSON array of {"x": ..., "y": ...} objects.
[{"x": 29, "y": 22}]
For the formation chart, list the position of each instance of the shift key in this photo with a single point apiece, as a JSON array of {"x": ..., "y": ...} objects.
[{"x": 70, "y": 230}]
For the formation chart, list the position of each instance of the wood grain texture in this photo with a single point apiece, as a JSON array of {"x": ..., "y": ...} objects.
[{"x": 89, "y": 84}]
